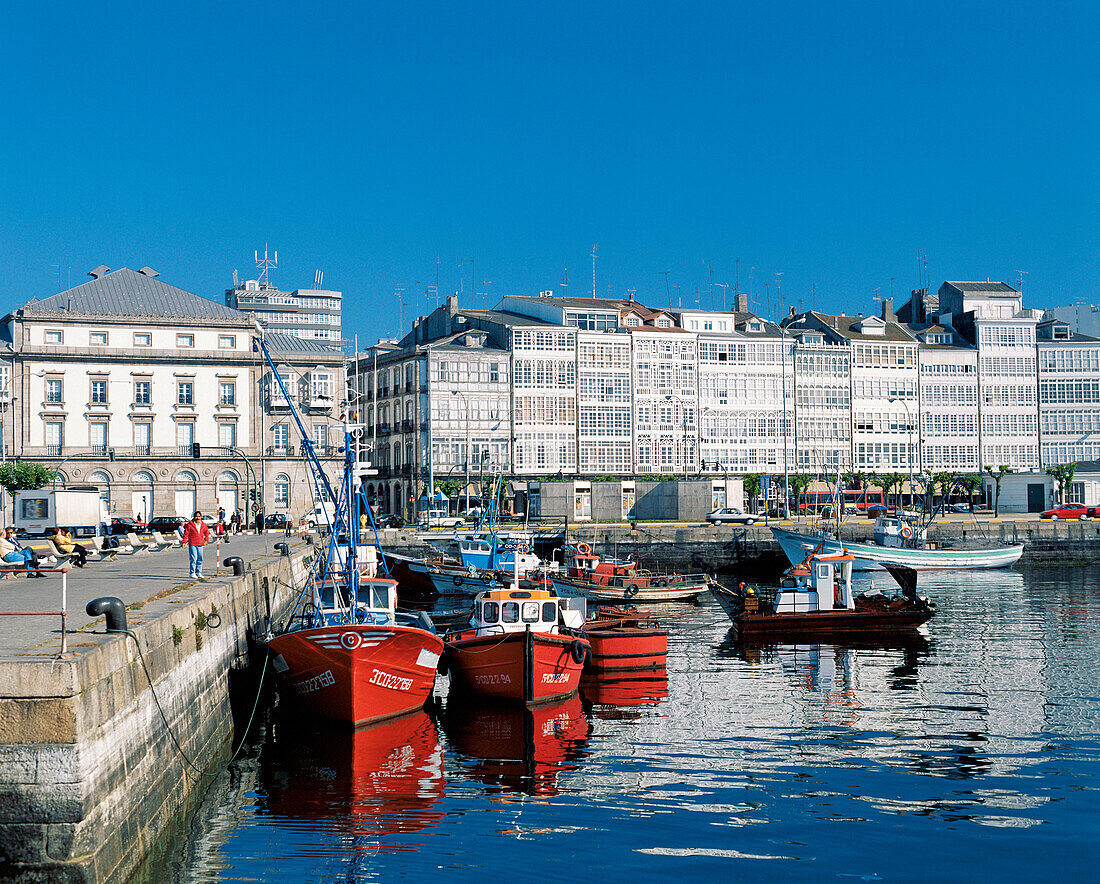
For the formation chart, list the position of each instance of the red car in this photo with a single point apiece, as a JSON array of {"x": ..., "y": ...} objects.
[{"x": 1067, "y": 511}]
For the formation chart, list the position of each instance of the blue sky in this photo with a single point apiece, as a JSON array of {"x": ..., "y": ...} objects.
[{"x": 828, "y": 142}]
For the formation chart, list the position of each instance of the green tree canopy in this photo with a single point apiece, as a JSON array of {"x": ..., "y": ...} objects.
[{"x": 22, "y": 475}]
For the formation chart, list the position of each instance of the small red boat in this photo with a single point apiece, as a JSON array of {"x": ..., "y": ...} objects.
[
  {"x": 815, "y": 599},
  {"x": 612, "y": 580},
  {"x": 516, "y": 647},
  {"x": 624, "y": 640}
]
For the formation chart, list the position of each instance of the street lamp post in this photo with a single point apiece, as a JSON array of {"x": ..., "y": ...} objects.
[
  {"x": 909, "y": 428},
  {"x": 786, "y": 427},
  {"x": 683, "y": 438},
  {"x": 466, "y": 405}
]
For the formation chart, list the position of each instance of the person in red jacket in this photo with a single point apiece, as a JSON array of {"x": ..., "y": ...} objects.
[{"x": 195, "y": 537}]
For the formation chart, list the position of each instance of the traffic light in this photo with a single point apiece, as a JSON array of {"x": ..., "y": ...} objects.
[
  {"x": 252, "y": 495},
  {"x": 196, "y": 450}
]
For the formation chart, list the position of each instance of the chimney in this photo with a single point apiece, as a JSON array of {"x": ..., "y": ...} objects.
[
  {"x": 888, "y": 314},
  {"x": 740, "y": 302}
]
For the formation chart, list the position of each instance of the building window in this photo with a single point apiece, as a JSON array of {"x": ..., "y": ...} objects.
[
  {"x": 321, "y": 385},
  {"x": 227, "y": 342},
  {"x": 185, "y": 393},
  {"x": 55, "y": 437},
  {"x": 98, "y": 339},
  {"x": 185, "y": 340},
  {"x": 54, "y": 391},
  {"x": 143, "y": 392},
  {"x": 97, "y": 438},
  {"x": 143, "y": 438},
  {"x": 54, "y": 337},
  {"x": 99, "y": 392},
  {"x": 282, "y": 490},
  {"x": 143, "y": 339},
  {"x": 320, "y": 436},
  {"x": 185, "y": 435},
  {"x": 227, "y": 393},
  {"x": 280, "y": 435},
  {"x": 227, "y": 435}
]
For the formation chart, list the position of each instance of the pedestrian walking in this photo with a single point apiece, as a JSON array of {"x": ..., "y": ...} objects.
[
  {"x": 235, "y": 521},
  {"x": 195, "y": 536},
  {"x": 13, "y": 552}
]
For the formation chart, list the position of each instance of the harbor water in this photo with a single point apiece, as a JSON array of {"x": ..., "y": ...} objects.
[{"x": 968, "y": 752}]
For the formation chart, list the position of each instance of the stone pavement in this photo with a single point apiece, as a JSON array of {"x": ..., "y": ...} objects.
[{"x": 132, "y": 578}]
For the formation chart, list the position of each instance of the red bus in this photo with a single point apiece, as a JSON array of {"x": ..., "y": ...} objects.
[{"x": 854, "y": 501}]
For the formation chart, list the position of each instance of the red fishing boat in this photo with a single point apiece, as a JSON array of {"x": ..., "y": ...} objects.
[
  {"x": 520, "y": 645},
  {"x": 623, "y": 640},
  {"x": 344, "y": 652},
  {"x": 617, "y": 580}
]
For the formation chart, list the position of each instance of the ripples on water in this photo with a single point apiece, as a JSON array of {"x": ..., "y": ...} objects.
[{"x": 967, "y": 752}]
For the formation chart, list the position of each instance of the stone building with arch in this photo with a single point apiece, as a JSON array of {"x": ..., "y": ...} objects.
[{"x": 156, "y": 397}]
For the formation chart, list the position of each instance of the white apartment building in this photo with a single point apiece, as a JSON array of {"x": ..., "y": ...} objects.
[
  {"x": 154, "y": 395},
  {"x": 990, "y": 315},
  {"x": 822, "y": 395},
  {"x": 948, "y": 401},
  {"x": 1069, "y": 394},
  {"x": 666, "y": 403},
  {"x": 605, "y": 412},
  {"x": 544, "y": 399},
  {"x": 742, "y": 382},
  {"x": 313, "y": 314}
]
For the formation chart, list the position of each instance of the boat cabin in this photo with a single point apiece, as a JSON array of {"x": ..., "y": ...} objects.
[
  {"x": 896, "y": 532},
  {"x": 487, "y": 552},
  {"x": 582, "y": 564},
  {"x": 821, "y": 583},
  {"x": 375, "y": 602},
  {"x": 514, "y": 610}
]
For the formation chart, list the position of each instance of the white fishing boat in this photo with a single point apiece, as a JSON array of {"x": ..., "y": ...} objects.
[{"x": 897, "y": 542}]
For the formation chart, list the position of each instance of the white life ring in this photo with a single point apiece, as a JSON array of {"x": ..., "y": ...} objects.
[
  {"x": 906, "y": 532},
  {"x": 584, "y": 549}
]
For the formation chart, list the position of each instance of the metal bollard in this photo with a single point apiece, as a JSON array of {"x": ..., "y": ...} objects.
[
  {"x": 114, "y": 610},
  {"x": 236, "y": 563}
]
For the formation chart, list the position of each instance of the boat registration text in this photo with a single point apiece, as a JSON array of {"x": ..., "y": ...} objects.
[
  {"x": 502, "y": 678},
  {"x": 309, "y": 685},
  {"x": 393, "y": 682}
]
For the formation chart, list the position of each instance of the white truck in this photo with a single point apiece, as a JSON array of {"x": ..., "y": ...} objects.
[{"x": 36, "y": 512}]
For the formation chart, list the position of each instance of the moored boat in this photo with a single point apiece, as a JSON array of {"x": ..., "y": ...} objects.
[
  {"x": 816, "y": 599},
  {"x": 517, "y": 647},
  {"x": 897, "y": 548},
  {"x": 614, "y": 580},
  {"x": 345, "y": 652},
  {"x": 624, "y": 641}
]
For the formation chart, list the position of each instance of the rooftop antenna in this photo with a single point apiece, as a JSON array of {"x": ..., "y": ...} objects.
[
  {"x": 265, "y": 265},
  {"x": 593, "y": 272},
  {"x": 736, "y": 275},
  {"x": 318, "y": 278},
  {"x": 437, "y": 279},
  {"x": 778, "y": 299},
  {"x": 399, "y": 290},
  {"x": 668, "y": 291},
  {"x": 564, "y": 279},
  {"x": 710, "y": 268},
  {"x": 1022, "y": 273},
  {"x": 58, "y": 266},
  {"x": 236, "y": 280}
]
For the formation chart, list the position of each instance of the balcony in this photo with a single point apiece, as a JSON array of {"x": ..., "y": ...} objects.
[
  {"x": 282, "y": 451},
  {"x": 318, "y": 402},
  {"x": 382, "y": 429},
  {"x": 407, "y": 425},
  {"x": 54, "y": 450},
  {"x": 278, "y": 402}
]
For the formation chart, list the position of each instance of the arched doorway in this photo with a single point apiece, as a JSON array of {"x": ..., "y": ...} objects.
[
  {"x": 102, "y": 481},
  {"x": 141, "y": 497},
  {"x": 228, "y": 493},
  {"x": 186, "y": 496}
]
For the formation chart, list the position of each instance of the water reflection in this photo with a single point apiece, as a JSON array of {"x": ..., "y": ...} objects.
[
  {"x": 379, "y": 780},
  {"x": 628, "y": 695},
  {"x": 513, "y": 748}
]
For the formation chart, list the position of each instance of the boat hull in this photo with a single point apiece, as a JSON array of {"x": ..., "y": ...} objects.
[
  {"x": 632, "y": 593},
  {"x": 622, "y": 646},
  {"x": 454, "y": 581},
  {"x": 358, "y": 673},
  {"x": 819, "y": 624},
  {"x": 871, "y": 557},
  {"x": 498, "y": 665}
]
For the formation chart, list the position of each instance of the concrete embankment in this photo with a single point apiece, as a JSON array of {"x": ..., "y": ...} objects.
[
  {"x": 752, "y": 550},
  {"x": 91, "y": 777}
]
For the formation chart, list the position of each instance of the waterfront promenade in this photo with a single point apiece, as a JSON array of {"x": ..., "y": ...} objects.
[{"x": 148, "y": 583}]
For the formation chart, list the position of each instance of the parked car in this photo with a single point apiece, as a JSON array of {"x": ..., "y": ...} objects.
[
  {"x": 730, "y": 514},
  {"x": 166, "y": 524},
  {"x": 1066, "y": 511},
  {"x": 126, "y": 525},
  {"x": 276, "y": 520},
  {"x": 388, "y": 521},
  {"x": 446, "y": 522},
  {"x": 958, "y": 508},
  {"x": 1093, "y": 512}
]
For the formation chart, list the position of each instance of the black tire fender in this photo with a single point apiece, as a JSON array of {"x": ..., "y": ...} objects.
[{"x": 577, "y": 651}]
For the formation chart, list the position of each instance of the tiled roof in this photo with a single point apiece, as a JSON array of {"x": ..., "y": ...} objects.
[
  {"x": 987, "y": 287},
  {"x": 127, "y": 293}
]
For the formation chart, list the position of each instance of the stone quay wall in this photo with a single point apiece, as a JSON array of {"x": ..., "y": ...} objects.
[{"x": 90, "y": 779}]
